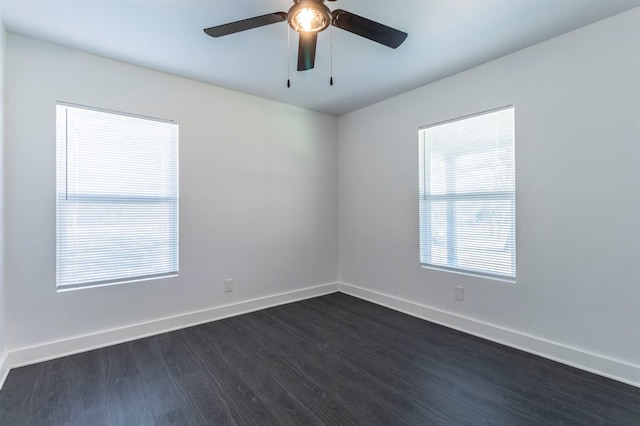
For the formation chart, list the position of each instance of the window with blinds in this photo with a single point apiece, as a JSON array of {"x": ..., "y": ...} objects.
[
  {"x": 117, "y": 197},
  {"x": 467, "y": 195}
]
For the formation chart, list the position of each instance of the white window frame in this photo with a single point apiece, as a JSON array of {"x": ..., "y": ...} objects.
[
  {"x": 426, "y": 198},
  {"x": 72, "y": 269}
]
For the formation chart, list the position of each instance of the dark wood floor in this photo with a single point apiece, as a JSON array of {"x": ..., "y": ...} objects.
[{"x": 330, "y": 360}]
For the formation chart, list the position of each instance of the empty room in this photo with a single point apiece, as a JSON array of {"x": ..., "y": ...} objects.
[{"x": 319, "y": 212}]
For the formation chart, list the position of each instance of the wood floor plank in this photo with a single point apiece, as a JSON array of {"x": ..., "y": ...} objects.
[
  {"x": 332, "y": 360},
  {"x": 348, "y": 378},
  {"x": 252, "y": 368}
]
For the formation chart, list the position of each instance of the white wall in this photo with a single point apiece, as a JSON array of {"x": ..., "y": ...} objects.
[
  {"x": 577, "y": 296},
  {"x": 257, "y": 195},
  {"x": 3, "y": 366}
]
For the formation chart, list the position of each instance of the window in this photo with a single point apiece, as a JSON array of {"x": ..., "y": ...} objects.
[
  {"x": 467, "y": 195},
  {"x": 117, "y": 197}
]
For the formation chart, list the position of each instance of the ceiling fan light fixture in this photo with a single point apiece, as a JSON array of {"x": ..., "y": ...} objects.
[{"x": 309, "y": 16}]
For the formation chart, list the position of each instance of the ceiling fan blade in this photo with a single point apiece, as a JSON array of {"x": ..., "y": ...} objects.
[
  {"x": 367, "y": 28},
  {"x": 246, "y": 24},
  {"x": 307, "y": 51}
]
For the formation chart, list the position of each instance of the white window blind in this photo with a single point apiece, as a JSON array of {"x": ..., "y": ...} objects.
[
  {"x": 467, "y": 194},
  {"x": 117, "y": 197}
]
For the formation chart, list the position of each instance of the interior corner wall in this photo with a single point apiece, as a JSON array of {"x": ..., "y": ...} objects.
[
  {"x": 577, "y": 112},
  {"x": 257, "y": 196}
]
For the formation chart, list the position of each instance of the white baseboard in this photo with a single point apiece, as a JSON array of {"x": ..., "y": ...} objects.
[
  {"x": 4, "y": 368},
  {"x": 58, "y": 349},
  {"x": 601, "y": 365},
  {"x": 594, "y": 363}
]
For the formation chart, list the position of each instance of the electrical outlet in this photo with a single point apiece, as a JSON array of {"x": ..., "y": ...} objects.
[
  {"x": 228, "y": 285},
  {"x": 458, "y": 293}
]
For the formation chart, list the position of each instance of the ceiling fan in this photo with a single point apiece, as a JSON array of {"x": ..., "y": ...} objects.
[{"x": 309, "y": 17}]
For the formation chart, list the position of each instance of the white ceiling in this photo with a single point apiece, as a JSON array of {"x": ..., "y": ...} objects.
[{"x": 445, "y": 37}]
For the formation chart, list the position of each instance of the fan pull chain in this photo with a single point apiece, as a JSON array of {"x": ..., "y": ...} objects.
[
  {"x": 288, "y": 57},
  {"x": 331, "y": 54}
]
